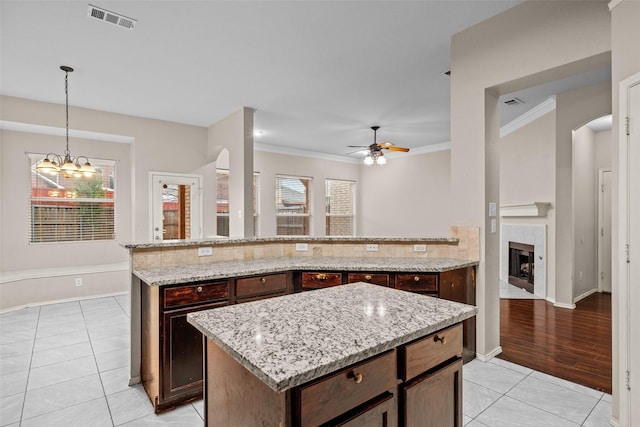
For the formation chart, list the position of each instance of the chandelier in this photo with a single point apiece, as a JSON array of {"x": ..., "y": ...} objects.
[{"x": 66, "y": 164}]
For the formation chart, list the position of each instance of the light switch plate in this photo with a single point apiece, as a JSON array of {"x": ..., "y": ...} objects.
[
  {"x": 419, "y": 248},
  {"x": 205, "y": 251},
  {"x": 492, "y": 209},
  {"x": 372, "y": 247},
  {"x": 302, "y": 247}
]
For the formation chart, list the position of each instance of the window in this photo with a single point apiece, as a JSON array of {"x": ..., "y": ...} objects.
[
  {"x": 72, "y": 209},
  {"x": 340, "y": 197},
  {"x": 222, "y": 202},
  {"x": 293, "y": 207}
]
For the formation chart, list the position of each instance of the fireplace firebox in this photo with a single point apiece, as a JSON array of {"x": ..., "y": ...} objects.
[{"x": 521, "y": 265}]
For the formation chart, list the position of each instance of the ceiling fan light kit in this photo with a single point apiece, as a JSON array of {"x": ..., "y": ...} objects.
[{"x": 375, "y": 156}]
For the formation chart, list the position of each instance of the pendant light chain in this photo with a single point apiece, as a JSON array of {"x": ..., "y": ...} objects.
[{"x": 68, "y": 166}]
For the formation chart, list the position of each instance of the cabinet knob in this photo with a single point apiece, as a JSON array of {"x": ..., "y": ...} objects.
[
  {"x": 367, "y": 277},
  {"x": 321, "y": 276},
  {"x": 199, "y": 289},
  {"x": 263, "y": 280},
  {"x": 416, "y": 278},
  {"x": 355, "y": 376},
  {"x": 443, "y": 339}
]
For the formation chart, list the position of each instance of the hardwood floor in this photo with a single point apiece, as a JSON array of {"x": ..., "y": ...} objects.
[{"x": 570, "y": 344}]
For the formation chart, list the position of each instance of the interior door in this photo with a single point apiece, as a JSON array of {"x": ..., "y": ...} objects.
[
  {"x": 604, "y": 231},
  {"x": 176, "y": 206}
]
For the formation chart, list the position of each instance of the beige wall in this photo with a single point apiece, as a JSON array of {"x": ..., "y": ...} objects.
[
  {"x": 585, "y": 218},
  {"x": 508, "y": 52},
  {"x": 34, "y": 273},
  {"x": 410, "y": 196}
]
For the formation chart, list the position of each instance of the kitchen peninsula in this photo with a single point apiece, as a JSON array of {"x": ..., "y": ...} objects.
[
  {"x": 359, "y": 354},
  {"x": 175, "y": 278}
]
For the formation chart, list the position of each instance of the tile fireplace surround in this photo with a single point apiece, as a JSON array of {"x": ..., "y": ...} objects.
[{"x": 530, "y": 234}]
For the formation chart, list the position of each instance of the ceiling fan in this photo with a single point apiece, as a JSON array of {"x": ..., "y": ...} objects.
[{"x": 374, "y": 151}]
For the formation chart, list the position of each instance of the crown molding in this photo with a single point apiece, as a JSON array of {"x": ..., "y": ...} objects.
[
  {"x": 614, "y": 3},
  {"x": 57, "y": 131},
  {"x": 278, "y": 149},
  {"x": 535, "y": 113}
]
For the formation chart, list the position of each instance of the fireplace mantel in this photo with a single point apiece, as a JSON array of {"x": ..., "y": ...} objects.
[{"x": 536, "y": 209}]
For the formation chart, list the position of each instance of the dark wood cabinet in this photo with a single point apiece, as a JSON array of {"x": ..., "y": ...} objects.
[
  {"x": 319, "y": 280},
  {"x": 381, "y": 279},
  {"x": 433, "y": 399},
  {"x": 264, "y": 286},
  {"x": 423, "y": 283},
  {"x": 171, "y": 351},
  {"x": 460, "y": 286}
]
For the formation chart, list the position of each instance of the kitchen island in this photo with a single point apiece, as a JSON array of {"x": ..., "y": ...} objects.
[{"x": 357, "y": 354}]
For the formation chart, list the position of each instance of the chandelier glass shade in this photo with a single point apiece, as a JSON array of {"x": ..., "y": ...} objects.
[{"x": 66, "y": 164}]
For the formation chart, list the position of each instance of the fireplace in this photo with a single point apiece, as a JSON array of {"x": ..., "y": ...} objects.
[{"x": 522, "y": 265}]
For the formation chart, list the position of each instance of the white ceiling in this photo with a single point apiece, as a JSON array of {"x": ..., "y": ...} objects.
[{"x": 318, "y": 73}]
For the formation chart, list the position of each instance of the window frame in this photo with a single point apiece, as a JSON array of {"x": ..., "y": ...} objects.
[
  {"x": 111, "y": 235},
  {"x": 256, "y": 202},
  {"x": 351, "y": 215},
  {"x": 309, "y": 199}
]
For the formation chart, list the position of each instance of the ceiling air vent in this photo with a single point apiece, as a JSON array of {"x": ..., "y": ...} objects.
[
  {"x": 111, "y": 17},
  {"x": 513, "y": 101}
]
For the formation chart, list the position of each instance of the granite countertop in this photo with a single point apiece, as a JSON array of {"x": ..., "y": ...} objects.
[
  {"x": 290, "y": 340},
  {"x": 160, "y": 276},
  {"x": 286, "y": 239}
]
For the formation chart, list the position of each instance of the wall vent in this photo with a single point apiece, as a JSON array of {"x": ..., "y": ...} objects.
[
  {"x": 110, "y": 17},
  {"x": 513, "y": 101}
]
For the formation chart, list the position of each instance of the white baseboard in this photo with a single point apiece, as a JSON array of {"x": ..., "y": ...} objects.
[
  {"x": 43, "y": 273},
  {"x": 486, "y": 357},
  {"x": 563, "y": 305},
  {"x": 59, "y": 301},
  {"x": 584, "y": 295}
]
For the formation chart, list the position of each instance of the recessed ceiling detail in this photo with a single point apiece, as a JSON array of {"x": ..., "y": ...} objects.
[{"x": 111, "y": 17}]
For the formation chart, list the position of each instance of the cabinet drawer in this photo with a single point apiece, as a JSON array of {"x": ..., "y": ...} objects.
[
  {"x": 261, "y": 285},
  {"x": 375, "y": 278},
  {"x": 320, "y": 280},
  {"x": 322, "y": 400},
  {"x": 196, "y": 293},
  {"x": 417, "y": 282},
  {"x": 430, "y": 351}
]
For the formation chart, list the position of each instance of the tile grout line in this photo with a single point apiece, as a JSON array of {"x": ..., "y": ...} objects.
[
  {"x": 26, "y": 386},
  {"x": 95, "y": 360}
]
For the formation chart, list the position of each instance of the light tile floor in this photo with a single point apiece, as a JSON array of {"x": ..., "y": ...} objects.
[
  {"x": 507, "y": 290},
  {"x": 67, "y": 365}
]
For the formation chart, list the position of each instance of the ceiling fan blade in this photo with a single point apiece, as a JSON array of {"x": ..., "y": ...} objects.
[
  {"x": 362, "y": 151},
  {"x": 391, "y": 148},
  {"x": 358, "y": 146}
]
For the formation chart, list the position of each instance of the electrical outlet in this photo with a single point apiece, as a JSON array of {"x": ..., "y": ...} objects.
[
  {"x": 79, "y": 281},
  {"x": 205, "y": 251},
  {"x": 419, "y": 248},
  {"x": 302, "y": 247},
  {"x": 372, "y": 247}
]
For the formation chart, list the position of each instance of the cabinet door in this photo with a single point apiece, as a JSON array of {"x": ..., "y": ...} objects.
[
  {"x": 459, "y": 285},
  {"x": 381, "y": 412},
  {"x": 181, "y": 354},
  {"x": 434, "y": 399}
]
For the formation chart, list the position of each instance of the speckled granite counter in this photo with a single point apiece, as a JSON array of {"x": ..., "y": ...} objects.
[
  {"x": 290, "y": 340},
  {"x": 160, "y": 276}
]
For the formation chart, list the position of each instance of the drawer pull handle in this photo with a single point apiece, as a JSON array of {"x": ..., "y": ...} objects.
[
  {"x": 321, "y": 276},
  {"x": 443, "y": 340},
  {"x": 263, "y": 280},
  {"x": 355, "y": 376},
  {"x": 416, "y": 278},
  {"x": 367, "y": 277},
  {"x": 199, "y": 289}
]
